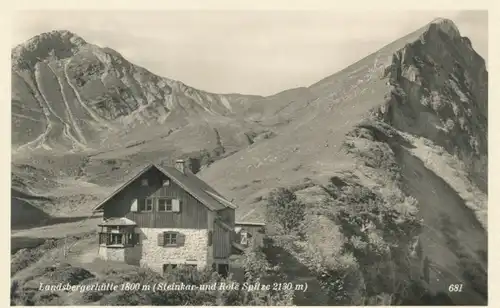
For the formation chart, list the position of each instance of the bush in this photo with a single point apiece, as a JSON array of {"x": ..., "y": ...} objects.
[
  {"x": 379, "y": 226},
  {"x": 475, "y": 275},
  {"x": 257, "y": 269},
  {"x": 145, "y": 277},
  {"x": 126, "y": 299},
  {"x": 27, "y": 256},
  {"x": 66, "y": 273},
  {"x": 92, "y": 296},
  {"x": 47, "y": 298},
  {"x": 342, "y": 285},
  {"x": 22, "y": 296},
  {"x": 285, "y": 210}
]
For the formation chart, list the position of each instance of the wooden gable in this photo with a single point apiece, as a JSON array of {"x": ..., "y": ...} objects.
[{"x": 186, "y": 212}]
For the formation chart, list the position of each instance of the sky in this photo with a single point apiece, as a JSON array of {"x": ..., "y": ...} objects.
[{"x": 248, "y": 52}]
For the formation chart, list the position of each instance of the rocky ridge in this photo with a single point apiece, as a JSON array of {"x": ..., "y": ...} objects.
[{"x": 402, "y": 132}]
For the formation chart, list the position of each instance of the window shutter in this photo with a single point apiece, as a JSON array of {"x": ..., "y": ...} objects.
[
  {"x": 181, "y": 239},
  {"x": 134, "y": 207},
  {"x": 244, "y": 239},
  {"x": 176, "y": 205},
  {"x": 129, "y": 239},
  {"x": 134, "y": 239},
  {"x": 103, "y": 238},
  {"x": 141, "y": 203},
  {"x": 210, "y": 237},
  {"x": 161, "y": 239}
]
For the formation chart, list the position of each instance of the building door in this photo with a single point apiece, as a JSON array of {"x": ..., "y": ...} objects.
[
  {"x": 223, "y": 270},
  {"x": 168, "y": 267}
]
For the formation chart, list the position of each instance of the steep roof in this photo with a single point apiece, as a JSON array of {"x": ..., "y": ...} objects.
[
  {"x": 187, "y": 181},
  {"x": 249, "y": 223},
  {"x": 120, "y": 221}
]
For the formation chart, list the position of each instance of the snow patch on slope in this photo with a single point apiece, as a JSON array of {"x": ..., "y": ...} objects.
[{"x": 226, "y": 103}]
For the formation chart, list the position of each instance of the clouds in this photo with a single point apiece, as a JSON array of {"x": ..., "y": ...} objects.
[{"x": 255, "y": 52}]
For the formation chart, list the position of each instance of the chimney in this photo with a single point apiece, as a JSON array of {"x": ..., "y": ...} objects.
[{"x": 180, "y": 165}]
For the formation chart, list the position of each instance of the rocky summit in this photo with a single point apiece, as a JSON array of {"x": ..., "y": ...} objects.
[{"x": 405, "y": 128}]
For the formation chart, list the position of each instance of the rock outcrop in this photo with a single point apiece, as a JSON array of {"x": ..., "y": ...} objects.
[
  {"x": 392, "y": 152},
  {"x": 68, "y": 94}
]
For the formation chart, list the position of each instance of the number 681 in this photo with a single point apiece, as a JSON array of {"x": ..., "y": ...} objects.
[{"x": 455, "y": 287}]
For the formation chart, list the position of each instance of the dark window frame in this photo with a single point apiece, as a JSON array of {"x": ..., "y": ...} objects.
[
  {"x": 119, "y": 239},
  {"x": 168, "y": 207},
  {"x": 143, "y": 206},
  {"x": 171, "y": 239}
]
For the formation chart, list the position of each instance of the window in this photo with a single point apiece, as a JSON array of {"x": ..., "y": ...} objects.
[
  {"x": 164, "y": 205},
  {"x": 125, "y": 239},
  {"x": 147, "y": 205},
  {"x": 167, "y": 267},
  {"x": 116, "y": 239},
  {"x": 144, "y": 182},
  {"x": 133, "y": 238},
  {"x": 113, "y": 229},
  {"x": 171, "y": 239},
  {"x": 125, "y": 236}
]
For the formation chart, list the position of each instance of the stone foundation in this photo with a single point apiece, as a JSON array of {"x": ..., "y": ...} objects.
[
  {"x": 147, "y": 253},
  {"x": 129, "y": 255},
  {"x": 194, "y": 250}
]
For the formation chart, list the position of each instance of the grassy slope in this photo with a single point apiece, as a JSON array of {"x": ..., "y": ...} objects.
[
  {"x": 90, "y": 104},
  {"x": 308, "y": 147},
  {"x": 451, "y": 205}
]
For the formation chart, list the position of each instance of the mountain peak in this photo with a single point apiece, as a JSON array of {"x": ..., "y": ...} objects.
[
  {"x": 445, "y": 25},
  {"x": 66, "y": 34},
  {"x": 57, "y": 37},
  {"x": 58, "y": 44}
]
